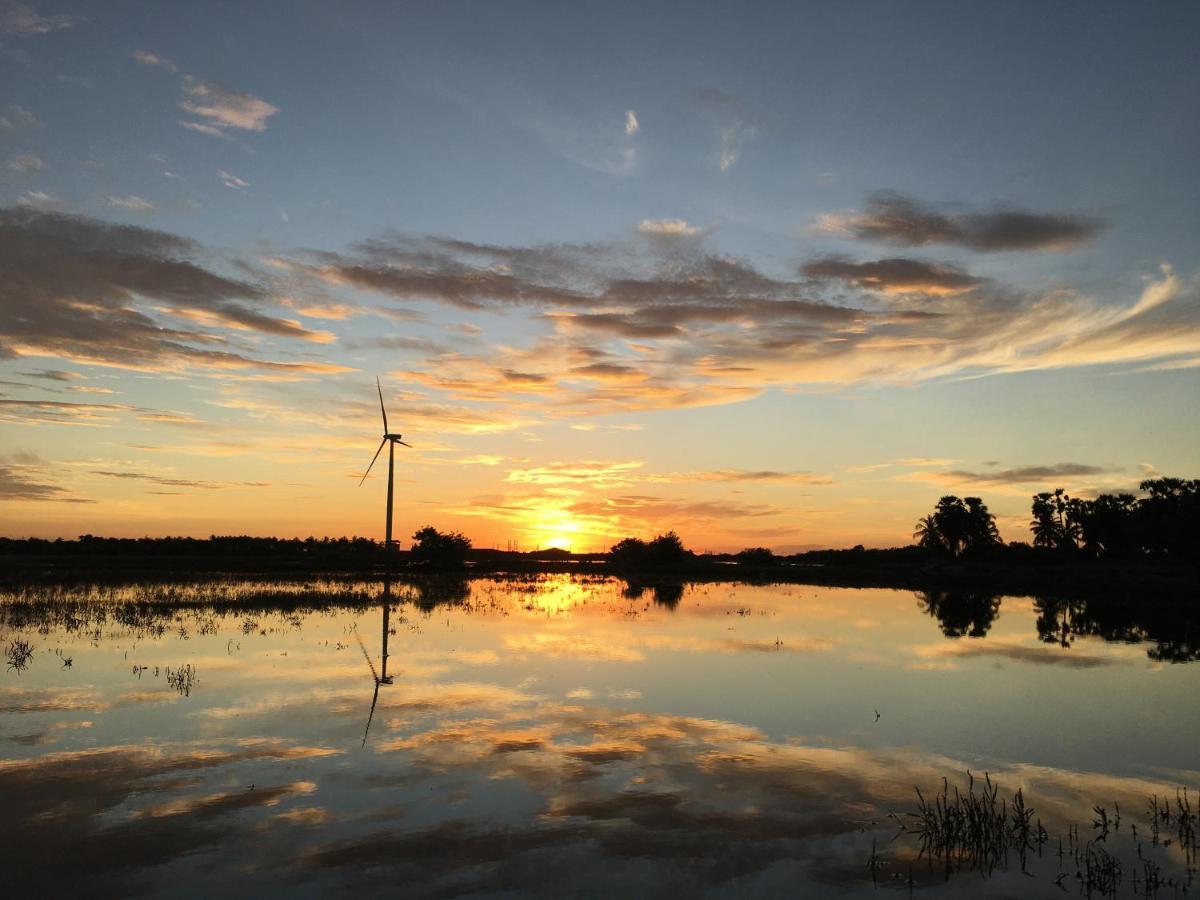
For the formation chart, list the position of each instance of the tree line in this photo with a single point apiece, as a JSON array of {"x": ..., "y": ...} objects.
[{"x": 1165, "y": 523}]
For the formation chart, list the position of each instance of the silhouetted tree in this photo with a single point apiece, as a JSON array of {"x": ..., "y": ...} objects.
[
  {"x": 664, "y": 551},
  {"x": 1164, "y": 523},
  {"x": 1055, "y": 521},
  {"x": 755, "y": 556},
  {"x": 628, "y": 553},
  {"x": 961, "y": 613},
  {"x": 1108, "y": 525},
  {"x": 1170, "y": 517},
  {"x": 440, "y": 551},
  {"x": 958, "y": 527},
  {"x": 927, "y": 534},
  {"x": 668, "y": 593},
  {"x": 437, "y": 590}
]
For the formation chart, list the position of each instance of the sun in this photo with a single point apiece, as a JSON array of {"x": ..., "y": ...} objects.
[
  {"x": 560, "y": 533},
  {"x": 557, "y": 542}
]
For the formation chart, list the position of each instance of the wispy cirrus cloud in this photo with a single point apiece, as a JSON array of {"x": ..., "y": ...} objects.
[
  {"x": 737, "y": 123},
  {"x": 893, "y": 218}
]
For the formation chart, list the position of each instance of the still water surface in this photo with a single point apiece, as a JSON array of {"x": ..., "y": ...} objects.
[{"x": 576, "y": 737}]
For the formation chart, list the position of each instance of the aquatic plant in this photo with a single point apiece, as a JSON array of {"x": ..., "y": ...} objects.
[
  {"x": 18, "y": 654},
  {"x": 975, "y": 829}
]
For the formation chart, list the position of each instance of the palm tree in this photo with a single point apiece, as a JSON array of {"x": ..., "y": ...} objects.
[{"x": 927, "y": 534}]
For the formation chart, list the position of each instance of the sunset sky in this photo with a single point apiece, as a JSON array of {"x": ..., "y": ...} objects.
[{"x": 766, "y": 274}]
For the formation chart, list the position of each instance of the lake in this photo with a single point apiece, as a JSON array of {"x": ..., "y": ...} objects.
[{"x": 571, "y": 736}]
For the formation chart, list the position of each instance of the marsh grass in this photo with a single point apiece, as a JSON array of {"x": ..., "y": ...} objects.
[
  {"x": 979, "y": 830},
  {"x": 18, "y": 653},
  {"x": 975, "y": 830}
]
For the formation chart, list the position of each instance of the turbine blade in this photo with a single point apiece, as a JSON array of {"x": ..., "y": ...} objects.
[
  {"x": 373, "y": 458},
  {"x": 381, "y": 409},
  {"x": 409, "y": 446}
]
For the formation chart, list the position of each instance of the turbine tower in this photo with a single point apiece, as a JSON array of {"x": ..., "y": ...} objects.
[{"x": 391, "y": 440}]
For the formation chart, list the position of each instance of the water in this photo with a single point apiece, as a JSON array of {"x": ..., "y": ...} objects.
[{"x": 578, "y": 737}]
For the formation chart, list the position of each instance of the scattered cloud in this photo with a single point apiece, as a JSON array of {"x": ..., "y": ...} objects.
[
  {"x": 146, "y": 58},
  {"x": 232, "y": 181},
  {"x": 893, "y": 218},
  {"x": 166, "y": 481},
  {"x": 52, "y": 375},
  {"x": 215, "y": 108},
  {"x": 632, "y": 126},
  {"x": 26, "y": 164},
  {"x": 667, "y": 228},
  {"x": 1019, "y": 653},
  {"x": 1044, "y": 474},
  {"x": 736, "y": 122},
  {"x": 39, "y": 200},
  {"x": 83, "y": 290},
  {"x": 699, "y": 328},
  {"x": 894, "y": 276},
  {"x": 210, "y": 130},
  {"x": 20, "y": 20},
  {"x": 18, "y": 483},
  {"x": 17, "y": 118},
  {"x": 131, "y": 202},
  {"x": 222, "y": 108}
]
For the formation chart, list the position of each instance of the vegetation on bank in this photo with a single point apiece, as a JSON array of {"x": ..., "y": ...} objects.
[{"x": 1109, "y": 542}]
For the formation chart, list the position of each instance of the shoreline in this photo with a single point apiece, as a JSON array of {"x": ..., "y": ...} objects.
[{"x": 1052, "y": 577}]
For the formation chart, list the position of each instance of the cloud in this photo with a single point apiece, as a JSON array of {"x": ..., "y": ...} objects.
[
  {"x": 737, "y": 123},
  {"x": 232, "y": 181},
  {"x": 26, "y": 164},
  {"x": 52, "y": 375},
  {"x": 83, "y": 290},
  {"x": 20, "y": 20},
  {"x": 746, "y": 476},
  {"x": 18, "y": 117},
  {"x": 165, "y": 481},
  {"x": 585, "y": 472},
  {"x": 645, "y": 325},
  {"x": 39, "y": 200},
  {"x": 1020, "y": 653},
  {"x": 1021, "y": 475},
  {"x": 130, "y": 202},
  {"x": 210, "y": 130},
  {"x": 631, "y": 123},
  {"x": 221, "y": 107},
  {"x": 667, "y": 228},
  {"x": 896, "y": 219},
  {"x": 19, "y": 483},
  {"x": 146, "y": 58},
  {"x": 894, "y": 276}
]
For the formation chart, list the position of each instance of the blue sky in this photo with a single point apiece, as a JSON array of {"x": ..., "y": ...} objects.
[{"x": 991, "y": 212}]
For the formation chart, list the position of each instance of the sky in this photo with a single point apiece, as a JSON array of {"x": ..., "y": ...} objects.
[{"x": 768, "y": 275}]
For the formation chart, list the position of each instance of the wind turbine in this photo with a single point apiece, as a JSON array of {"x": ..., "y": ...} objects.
[
  {"x": 391, "y": 440},
  {"x": 381, "y": 677}
]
